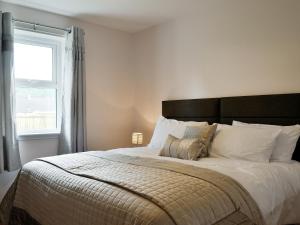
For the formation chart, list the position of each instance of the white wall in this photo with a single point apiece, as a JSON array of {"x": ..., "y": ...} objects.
[
  {"x": 35, "y": 148},
  {"x": 109, "y": 84},
  {"x": 229, "y": 48}
]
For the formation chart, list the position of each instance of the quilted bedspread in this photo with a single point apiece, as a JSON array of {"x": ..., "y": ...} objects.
[{"x": 111, "y": 189}]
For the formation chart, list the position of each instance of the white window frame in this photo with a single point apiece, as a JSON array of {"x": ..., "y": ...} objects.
[{"x": 56, "y": 43}]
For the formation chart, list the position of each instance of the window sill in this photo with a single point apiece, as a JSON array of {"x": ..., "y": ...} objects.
[{"x": 38, "y": 136}]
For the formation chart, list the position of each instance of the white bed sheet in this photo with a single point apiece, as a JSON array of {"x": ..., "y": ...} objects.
[{"x": 274, "y": 186}]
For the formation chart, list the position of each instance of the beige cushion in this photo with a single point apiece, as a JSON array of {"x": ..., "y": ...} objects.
[
  {"x": 192, "y": 132},
  {"x": 189, "y": 148}
]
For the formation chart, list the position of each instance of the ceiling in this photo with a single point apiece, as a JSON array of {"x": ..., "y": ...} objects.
[{"x": 126, "y": 15}]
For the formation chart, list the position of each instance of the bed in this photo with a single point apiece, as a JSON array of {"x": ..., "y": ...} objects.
[{"x": 136, "y": 186}]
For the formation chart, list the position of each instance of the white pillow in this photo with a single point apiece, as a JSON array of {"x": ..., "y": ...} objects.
[
  {"x": 164, "y": 127},
  {"x": 247, "y": 143},
  {"x": 286, "y": 142}
]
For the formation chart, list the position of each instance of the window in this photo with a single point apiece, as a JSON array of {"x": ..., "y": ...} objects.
[{"x": 37, "y": 70}]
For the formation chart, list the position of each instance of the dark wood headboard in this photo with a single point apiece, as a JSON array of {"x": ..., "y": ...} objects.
[{"x": 282, "y": 109}]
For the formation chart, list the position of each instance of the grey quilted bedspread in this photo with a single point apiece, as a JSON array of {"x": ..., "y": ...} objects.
[{"x": 113, "y": 189}]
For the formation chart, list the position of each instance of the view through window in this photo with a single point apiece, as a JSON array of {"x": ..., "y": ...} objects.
[{"x": 37, "y": 67}]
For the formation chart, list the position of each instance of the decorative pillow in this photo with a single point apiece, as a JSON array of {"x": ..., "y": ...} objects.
[
  {"x": 249, "y": 143},
  {"x": 286, "y": 142},
  {"x": 189, "y": 148},
  {"x": 164, "y": 127}
]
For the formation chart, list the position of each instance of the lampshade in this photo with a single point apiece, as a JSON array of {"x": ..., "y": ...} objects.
[{"x": 137, "y": 138}]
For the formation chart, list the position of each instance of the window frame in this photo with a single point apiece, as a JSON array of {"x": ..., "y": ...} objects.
[{"x": 56, "y": 44}]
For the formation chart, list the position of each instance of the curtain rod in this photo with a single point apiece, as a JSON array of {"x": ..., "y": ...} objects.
[{"x": 41, "y": 25}]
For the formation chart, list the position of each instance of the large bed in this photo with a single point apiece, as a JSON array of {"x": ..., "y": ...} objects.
[{"x": 137, "y": 186}]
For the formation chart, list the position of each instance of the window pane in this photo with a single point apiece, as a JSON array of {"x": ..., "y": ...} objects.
[
  {"x": 35, "y": 109},
  {"x": 32, "y": 62}
]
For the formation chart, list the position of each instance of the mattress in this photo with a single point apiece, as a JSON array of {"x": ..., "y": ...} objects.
[
  {"x": 109, "y": 188},
  {"x": 274, "y": 186}
]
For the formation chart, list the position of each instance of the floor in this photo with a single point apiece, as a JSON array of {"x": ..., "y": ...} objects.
[{"x": 6, "y": 179}]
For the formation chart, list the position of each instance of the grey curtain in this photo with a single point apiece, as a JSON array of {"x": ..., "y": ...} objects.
[
  {"x": 9, "y": 148},
  {"x": 73, "y": 125}
]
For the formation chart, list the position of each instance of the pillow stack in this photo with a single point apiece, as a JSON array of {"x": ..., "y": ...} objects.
[
  {"x": 164, "y": 127},
  {"x": 248, "y": 143},
  {"x": 285, "y": 143},
  {"x": 253, "y": 142}
]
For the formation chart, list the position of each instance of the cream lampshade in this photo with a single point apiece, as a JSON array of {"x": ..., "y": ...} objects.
[{"x": 137, "y": 138}]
